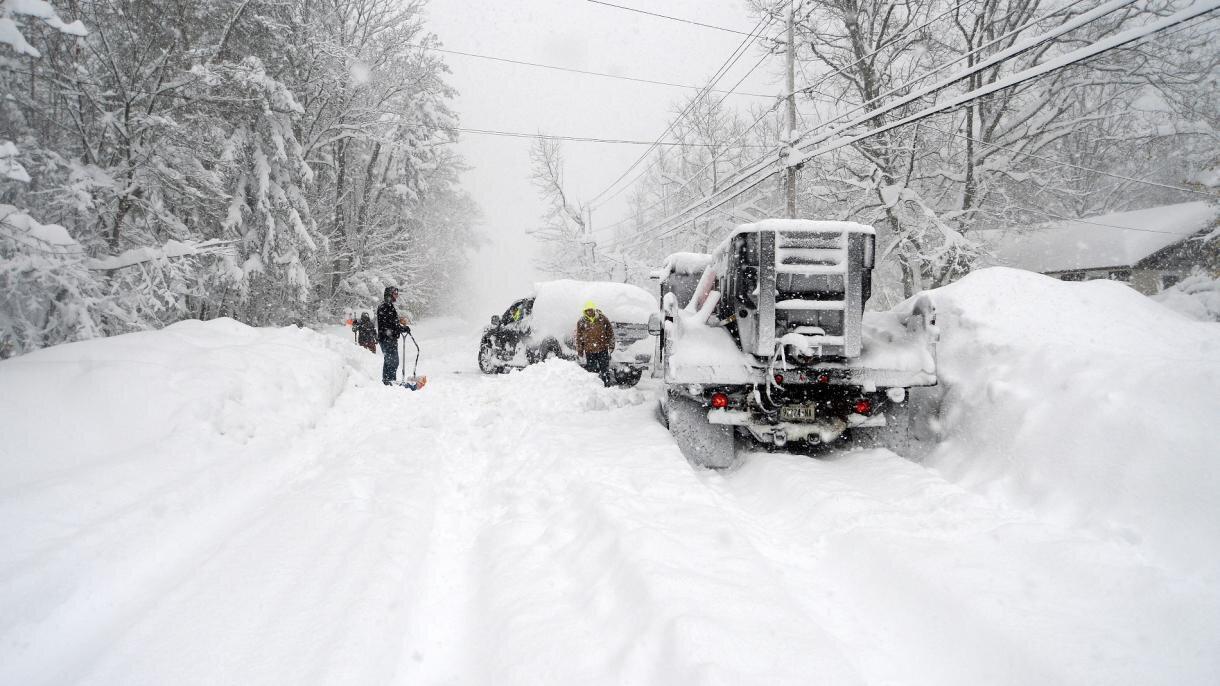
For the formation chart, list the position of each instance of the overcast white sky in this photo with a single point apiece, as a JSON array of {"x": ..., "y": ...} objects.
[{"x": 581, "y": 35}]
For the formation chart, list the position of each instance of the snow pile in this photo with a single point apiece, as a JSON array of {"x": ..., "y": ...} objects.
[
  {"x": 1087, "y": 402},
  {"x": 557, "y": 387},
  {"x": 148, "y": 442},
  {"x": 1197, "y": 297},
  {"x": 558, "y": 304}
]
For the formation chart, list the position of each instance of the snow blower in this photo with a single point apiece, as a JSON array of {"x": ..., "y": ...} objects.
[{"x": 413, "y": 382}]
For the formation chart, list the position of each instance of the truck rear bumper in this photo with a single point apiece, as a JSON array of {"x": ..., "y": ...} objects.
[{"x": 822, "y": 430}]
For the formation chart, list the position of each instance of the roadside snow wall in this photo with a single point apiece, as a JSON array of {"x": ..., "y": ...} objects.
[
  {"x": 1084, "y": 401},
  {"x": 120, "y": 456}
]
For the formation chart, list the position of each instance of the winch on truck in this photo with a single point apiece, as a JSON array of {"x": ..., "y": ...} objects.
[{"x": 767, "y": 338}]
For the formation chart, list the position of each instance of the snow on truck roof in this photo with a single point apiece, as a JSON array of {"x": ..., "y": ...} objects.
[
  {"x": 684, "y": 263},
  {"x": 794, "y": 225},
  {"x": 558, "y": 304}
]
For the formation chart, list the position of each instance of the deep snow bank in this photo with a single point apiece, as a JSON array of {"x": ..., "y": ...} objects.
[
  {"x": 1086, "y": 401},
  {"x": 71, "y": 406},
  {"x": 122, "y": 457},
  {"x": 1197, "y": 297}
]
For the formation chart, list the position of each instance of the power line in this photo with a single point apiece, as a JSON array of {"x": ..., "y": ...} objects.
[
  {"x": 1061, "y": 163},
  {"x": 1070, "y": 58},
  {"x": 736, "y": 55},
  {"x": 666, "y": 16},
  {"x": 811, "y": 89},
  {"x": 999, "y": 57},
  {"x": 730, "y": 146},
  {"x": 574, "y": 71},
  {"x": 995, "y": 59},
  {"x": 584, "y": 139}
]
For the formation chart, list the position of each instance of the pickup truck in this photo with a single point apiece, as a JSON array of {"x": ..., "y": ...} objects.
[{"x": 771, "y": 341}]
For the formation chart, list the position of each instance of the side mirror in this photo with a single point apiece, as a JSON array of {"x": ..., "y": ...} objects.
[
  {"x": 495, "y": 320},
  {"x": 654, "y": 324}
]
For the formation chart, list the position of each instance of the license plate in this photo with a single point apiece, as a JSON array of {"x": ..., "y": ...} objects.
[{"x": 796, "y": 413}]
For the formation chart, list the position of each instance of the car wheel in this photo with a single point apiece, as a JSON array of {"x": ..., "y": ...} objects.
[
  {"x": 629, "y": 378},
  {"x": 488, "y": 364}
]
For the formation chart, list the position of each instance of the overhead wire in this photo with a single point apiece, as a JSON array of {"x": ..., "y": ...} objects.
[
  {"x": 1061, "y": 163},
  {"x": 584, "y": 72},
  {"x": 584, "y": 139},
  {"x": 733, "y": 58},
  {"x": 715, "y": 158},
  {"x": 812, "y": 89},
  {"x": 1002, "y": 56},
  {"x": 1096, "y": 48},
  {"x": 666, "y": 16}
]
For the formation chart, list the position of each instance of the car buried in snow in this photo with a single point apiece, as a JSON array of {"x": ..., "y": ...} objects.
[
  {"x": 767, "y": 338},
  {"x": 542, "y": 326}
]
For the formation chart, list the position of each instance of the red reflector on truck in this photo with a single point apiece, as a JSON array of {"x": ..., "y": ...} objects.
[
  {"x": 863, "y": 407},
  {"x": 720, "y": 401}
]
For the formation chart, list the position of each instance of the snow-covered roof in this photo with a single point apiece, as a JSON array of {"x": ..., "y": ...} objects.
[{"x": 1093, "y": 242}]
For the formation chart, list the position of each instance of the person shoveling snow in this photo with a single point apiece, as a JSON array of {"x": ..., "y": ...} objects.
[{"x": 391, "y": 327}]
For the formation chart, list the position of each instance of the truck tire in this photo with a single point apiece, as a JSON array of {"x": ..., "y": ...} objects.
[{"x": 703, "y": 444}]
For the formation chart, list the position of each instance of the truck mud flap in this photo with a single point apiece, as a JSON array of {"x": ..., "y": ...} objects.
[{"x": 706, "y": 445}]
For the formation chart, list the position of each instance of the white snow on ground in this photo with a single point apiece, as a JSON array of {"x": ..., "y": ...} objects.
[
  {"x": 1197, "y": 297},
  {"x": 217, "y": 504},
  {"x": 1087, "y": 402}
]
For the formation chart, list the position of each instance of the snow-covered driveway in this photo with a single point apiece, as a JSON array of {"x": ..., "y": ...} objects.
[{"x": 531, "y": 528}]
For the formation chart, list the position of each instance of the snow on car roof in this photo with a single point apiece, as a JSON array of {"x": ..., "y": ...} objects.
[{"x": 558, "y": 304}]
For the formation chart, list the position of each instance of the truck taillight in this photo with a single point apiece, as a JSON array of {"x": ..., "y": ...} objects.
[
  {"x": 863, "y": 406},
  {"x": 823, "y": 379},
  {"x": 720, "y": 401}
]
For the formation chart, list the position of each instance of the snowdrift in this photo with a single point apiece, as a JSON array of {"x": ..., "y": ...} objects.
[
  {"x": 1087, "y": 402},
  {"x": 121, "y": 456},
  {"x": 1197, "y": 297}
]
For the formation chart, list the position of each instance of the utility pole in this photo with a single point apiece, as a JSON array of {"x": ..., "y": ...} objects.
[
  {"x": 589, "y": 241},
  {"x": 791, "y": 108}
]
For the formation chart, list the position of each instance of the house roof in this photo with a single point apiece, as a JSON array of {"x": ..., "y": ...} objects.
[{"x": 1093, "y": 242}]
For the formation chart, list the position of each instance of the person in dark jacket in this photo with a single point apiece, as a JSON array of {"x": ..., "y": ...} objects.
[
  {"x": 389, "y": 327},
  {"x": 366, "y": 333},
  {"x": 595, "y": 342}
]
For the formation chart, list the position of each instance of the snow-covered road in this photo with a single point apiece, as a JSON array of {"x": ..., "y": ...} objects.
[{"x": 534, "y": 528}]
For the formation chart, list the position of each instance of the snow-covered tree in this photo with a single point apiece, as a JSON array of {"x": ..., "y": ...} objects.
[
  {"x": 272, "y": 160},
  {"x": 569, "y": 248}
]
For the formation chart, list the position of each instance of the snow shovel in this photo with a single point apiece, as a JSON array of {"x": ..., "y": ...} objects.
[{"x": 413, "y": 382}]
